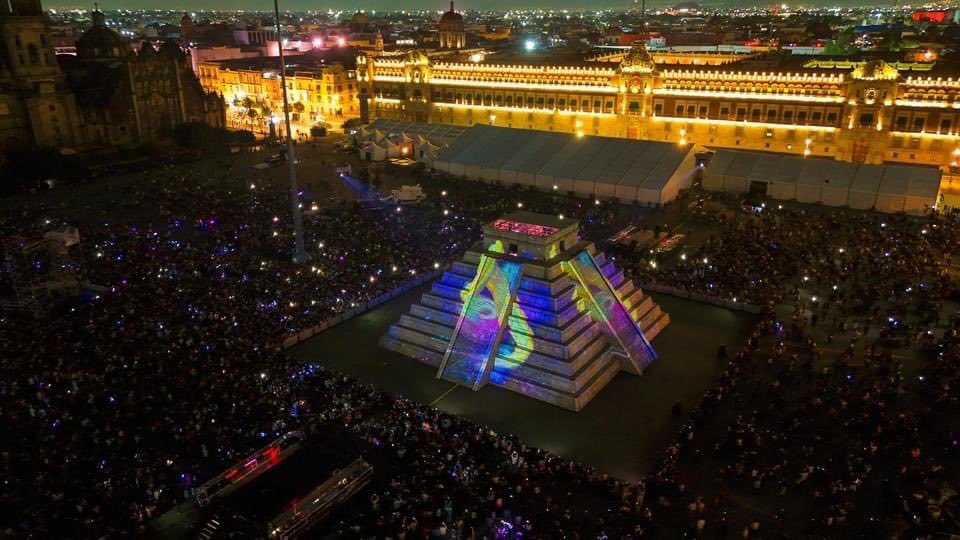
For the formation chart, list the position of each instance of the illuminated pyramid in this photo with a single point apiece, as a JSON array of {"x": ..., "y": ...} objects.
[{"x": 533, "y": 309}]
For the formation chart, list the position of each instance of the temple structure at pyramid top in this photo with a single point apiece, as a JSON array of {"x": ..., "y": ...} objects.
[{"x": 534, "y": 309}]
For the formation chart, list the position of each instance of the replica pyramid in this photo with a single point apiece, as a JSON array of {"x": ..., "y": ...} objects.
[{"x": 535, "y": 310}]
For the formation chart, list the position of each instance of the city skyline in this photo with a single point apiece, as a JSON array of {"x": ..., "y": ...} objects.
[{"x": 422, "y": 5}]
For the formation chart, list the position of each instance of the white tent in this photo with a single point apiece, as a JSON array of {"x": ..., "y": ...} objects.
[
  {"x": 372, "y": 151},
  {"x": 864, "y": 187},
  {"x": 632, "y": 170},
  {"x": 894, "y": 186}
]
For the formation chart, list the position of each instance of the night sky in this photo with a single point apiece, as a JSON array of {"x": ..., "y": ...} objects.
[{"x": 402, "y": 4}]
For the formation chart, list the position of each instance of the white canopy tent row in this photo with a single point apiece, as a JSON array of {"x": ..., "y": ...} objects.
[
  {"x": 887, "y": 188},
  {"x": 392, "y": 139},
  {"x": 603, "y": 167}
]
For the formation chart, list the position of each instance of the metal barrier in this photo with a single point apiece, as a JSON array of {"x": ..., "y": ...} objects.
[
  {"x": 697, "y": 297},
  {"x": 407, "y": 286}
]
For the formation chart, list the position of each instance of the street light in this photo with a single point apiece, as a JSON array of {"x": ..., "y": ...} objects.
[{"x": 299, "y": 255}]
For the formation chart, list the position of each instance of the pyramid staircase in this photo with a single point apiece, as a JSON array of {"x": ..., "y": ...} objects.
[{"x": 558, "y": 331}]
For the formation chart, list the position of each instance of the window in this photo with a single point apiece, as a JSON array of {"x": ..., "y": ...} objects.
[
  {"x": 33, "y": 53},
  {"x": 918, "y": 123},
  {"x": 755, "y": 115},
  {"x": 658, "y": 109},
  {"x": 901, "y": 123},
  {"x": 815, "y": 117},
  {"x": 634, "y": 107},
  {"x": 801, "y": 116},
  {"x": 945, "y": 125},
  {"x": 703, "y": 110},
  {"x": 741, "y": 114},
  {"x": 679, "y": 110},
  {"x": 724, "y": 112},
  {"x": 866, "y": 119},
  {"x": 691, "y": 109},
  {"x": 16, "y": 39},
  {"x": 514, "y": 249},
  {"x": 771, "y": 115},
  {"x": 832, "y": 117}
]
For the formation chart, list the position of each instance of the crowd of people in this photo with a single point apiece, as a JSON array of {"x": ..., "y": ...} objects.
[{"x": 834, "y": 418}]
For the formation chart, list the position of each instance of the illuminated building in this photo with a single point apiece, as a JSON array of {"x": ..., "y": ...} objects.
[
  {"x": 868, "y": 112},
  {"x": 105, "y": 95},
  {"x": 451, "y": 30},
  {"x": 320, "y": 86},
  {"x": 533, "y": 309}
]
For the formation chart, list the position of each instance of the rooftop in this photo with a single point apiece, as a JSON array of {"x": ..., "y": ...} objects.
[
  {"x": 345, "y": 57},
  {"x": 531, "y": 223}
]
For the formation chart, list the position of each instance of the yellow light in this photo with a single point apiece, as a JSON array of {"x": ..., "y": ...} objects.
[
  {"x": 923, "y": 104},
  {"x": 579, "y": 133},
  {"x": 746, "y": 123},
  {"x": 925, "y": 135},
  {"x": 441, "y": 105},
  {"x": 439, "y": 80},
  {"x": 746, "y": 95}
]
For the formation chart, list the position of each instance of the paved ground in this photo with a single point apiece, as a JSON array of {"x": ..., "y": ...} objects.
[{"x": 621, "y": 432}]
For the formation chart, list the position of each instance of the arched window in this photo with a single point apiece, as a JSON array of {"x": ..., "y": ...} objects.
[{"x": 33, "y": 53}]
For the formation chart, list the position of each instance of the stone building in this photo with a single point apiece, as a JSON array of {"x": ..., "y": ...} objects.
[
  {"x": 869, "y": 111},
  {"x": 106, "y": 95}
]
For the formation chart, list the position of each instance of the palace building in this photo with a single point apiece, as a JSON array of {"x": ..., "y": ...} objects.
[{"x": 856, "y": 111}]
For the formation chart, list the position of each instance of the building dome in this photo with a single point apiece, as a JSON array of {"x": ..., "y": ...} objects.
[
  {"x": 452, "y": 35},
  {"x": 360, "y": 18},
  {"x": 451, "y": 20},
  {"x": 100, "y": 42}
]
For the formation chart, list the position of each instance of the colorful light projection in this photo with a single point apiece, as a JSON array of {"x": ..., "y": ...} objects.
[
  {"x": 528, "y": 229},
  {"x": 485, "y": 304},
  {"x": 608, "y": 310}
]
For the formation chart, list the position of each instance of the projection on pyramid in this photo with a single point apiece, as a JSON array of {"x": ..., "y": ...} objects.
[{"x": 533, "y": 309}]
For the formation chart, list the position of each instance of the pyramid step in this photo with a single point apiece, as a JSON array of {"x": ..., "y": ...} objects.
[
  {"x": 446, "y": 291},
  {"x": 416, "y": 337},
  {"x": 571, "y": 384},
  {"x": 566, "y": 366},
  {"x": 440, "y": 303},
  {"x": 427, "y": 327},
  {"x": 435, "y": 315},
  {"x": 424, "y": 355},
  {"x": 657, "y": 326},
  {"x": 638, "y": 311}
]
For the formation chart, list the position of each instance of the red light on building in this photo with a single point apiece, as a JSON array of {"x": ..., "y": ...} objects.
[{"x": 935, "y": 16}]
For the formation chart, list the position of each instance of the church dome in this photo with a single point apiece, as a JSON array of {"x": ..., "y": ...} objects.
[
  {"x": 451, "y": 20},
  {"x": 100, "y": 42},
  {"x": 359, "y": 18}
]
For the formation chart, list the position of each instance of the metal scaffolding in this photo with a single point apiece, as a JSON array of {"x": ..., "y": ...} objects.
[{"x": 39, "y": 273}]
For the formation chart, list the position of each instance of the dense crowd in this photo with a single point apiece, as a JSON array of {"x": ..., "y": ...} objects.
[{"x": 824, "y": 424}]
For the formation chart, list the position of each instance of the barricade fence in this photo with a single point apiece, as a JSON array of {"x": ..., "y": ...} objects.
[
  {"x": 696, "y": 297},
  {"x": 307, "y": 333}
]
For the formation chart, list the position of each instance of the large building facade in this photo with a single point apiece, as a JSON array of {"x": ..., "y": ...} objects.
[
  {"x": 869, "y": 112},
  {"x": 105, "y": 95},
  {"x": 320, "y": 87}
]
